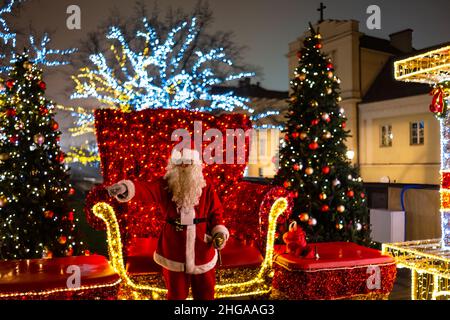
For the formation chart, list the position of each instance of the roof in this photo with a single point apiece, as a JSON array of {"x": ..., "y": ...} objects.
[
  {"x": 378, "y": 44},
  {"x": 251, "y": 91},
  {"x": 385, "y": 87}
]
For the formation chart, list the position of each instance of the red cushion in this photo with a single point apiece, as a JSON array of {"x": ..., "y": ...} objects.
[
  {"x": 234, "y": 255},
  {"x": 18, "y": 276},
  {"x": 139, "y": 258},
  {"x": 237, "y": 254},
  {"x": 332, "y": 255}
]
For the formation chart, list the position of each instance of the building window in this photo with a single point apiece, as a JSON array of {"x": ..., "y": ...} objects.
[
  {"x": 386, "y": 136},
  {"x": 417, "y": 133}
]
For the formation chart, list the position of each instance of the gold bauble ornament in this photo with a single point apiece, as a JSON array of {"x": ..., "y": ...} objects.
[
  {"x": 341, "y": 208},
  {"x": 27, "y": 65},
  {"x": 39, "y": 139},
  {"x": 323, "y": 196},
  {"x": 304, "y": 217},
  {"x": 327, "y": 135},
  {"x": 303, "y": 136},
  {"x": 301, "y": 76},
  {"x": 47, "y": 254},
  {"x": 62, "y": 240},
  {"x": 3, "y": 201},
  {"x": 329, "y": 90},
  {"x": 309, "y": 171},
  {"x": 330, "y": 74},
  {"x": 314, "y": 103},
  {"x": 4, "y": 156}
]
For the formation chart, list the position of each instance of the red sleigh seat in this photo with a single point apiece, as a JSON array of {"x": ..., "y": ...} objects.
[{"x": 137, "y": 145}]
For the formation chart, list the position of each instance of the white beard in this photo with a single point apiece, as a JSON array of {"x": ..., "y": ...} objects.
[{"x": 186, "y": 185}]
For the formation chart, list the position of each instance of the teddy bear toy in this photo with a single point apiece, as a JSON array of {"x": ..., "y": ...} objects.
[{"x": 295, "y": 240}]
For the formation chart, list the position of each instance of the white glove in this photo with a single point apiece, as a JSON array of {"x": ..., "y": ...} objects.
[{"x": 117, "y": 190}]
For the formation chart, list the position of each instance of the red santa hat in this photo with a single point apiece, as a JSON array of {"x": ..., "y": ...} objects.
[{"x": 188, "y": 156}]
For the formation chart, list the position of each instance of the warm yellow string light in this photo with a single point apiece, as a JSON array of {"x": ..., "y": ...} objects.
[
  {"x": 259, "y": 285},
  {"x": 61, "y": 290}
]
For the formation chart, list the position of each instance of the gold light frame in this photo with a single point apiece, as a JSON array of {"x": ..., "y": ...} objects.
[
  {"x": 431, "y": 67},
  {"x": 259, "y": 285},
  {"x": 429, "y": 264}
]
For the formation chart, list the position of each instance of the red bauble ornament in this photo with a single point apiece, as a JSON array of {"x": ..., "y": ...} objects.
[
  {"x": 314, "y": 146},
  {"x": 13, "y": 139},
  {"x": 42, "y": 85},
  {"x": 297, "y": 167},
  {"x": 295, "y": 194},
  {"x": 330, "y": 66},
  {"x": 295, "y": 135},
  {"x": 363, "y": 195},
  {"x": 350, "y": 194},
  {"x": 286, "y": 184},
  {"x": 43, "y": 110},
  {"x": 286, "y": 137},
  {"x": 71, "y": 191},
  {"x": 62, "y": 240},
  {"x": 11, "y": 112},
  {"x": 315, "y": 122},
  {"x": 10, "y": 84},
  {"x": 69, "y": 252},
  {"x": 71, "y": 216},
  {"x": 49, "y": 214},
  {"x": 87, "y": 253},
  {"x": 318, "y": 46},
  {"x": 55, "y": 125},
  {"x": 60, "y": 157},
  {"x": 325, "y": 208},
  {"x": 58, "y": 138},
  {"x": 326, "y": 170},
  {"x": 344, "y": 125}
]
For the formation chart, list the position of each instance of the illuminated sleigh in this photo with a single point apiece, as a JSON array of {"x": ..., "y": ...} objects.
[{"x": 136, "y": 146}]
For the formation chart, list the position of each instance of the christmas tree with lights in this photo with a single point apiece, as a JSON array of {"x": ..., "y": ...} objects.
[
  {"x": 330, "y": 201},
  {"x": 35, "y": 221}
]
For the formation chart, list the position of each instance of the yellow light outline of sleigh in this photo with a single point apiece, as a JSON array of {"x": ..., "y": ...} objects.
[{"x": 259, "y": 285}]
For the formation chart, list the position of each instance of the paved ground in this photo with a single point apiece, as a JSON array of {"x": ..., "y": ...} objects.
[{"x": 402, "y": 286}]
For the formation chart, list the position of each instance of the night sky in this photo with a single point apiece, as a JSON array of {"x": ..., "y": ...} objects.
[{"x": 264, "y": 26}]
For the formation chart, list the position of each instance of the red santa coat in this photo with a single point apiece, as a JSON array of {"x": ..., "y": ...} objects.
[{"x": 189, "y": 250}]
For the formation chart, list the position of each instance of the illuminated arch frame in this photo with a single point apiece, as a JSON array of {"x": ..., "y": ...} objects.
[{"x": 433, "y": 67}]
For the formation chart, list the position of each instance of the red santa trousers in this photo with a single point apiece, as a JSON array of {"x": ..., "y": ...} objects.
[{"x": 178, "y": 283}]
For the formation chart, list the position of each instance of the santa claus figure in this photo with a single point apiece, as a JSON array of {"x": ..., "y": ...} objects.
[{"x": 194, "y": 230}]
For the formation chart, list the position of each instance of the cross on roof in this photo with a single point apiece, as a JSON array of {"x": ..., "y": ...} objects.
[{"x": 321, "y": 10}]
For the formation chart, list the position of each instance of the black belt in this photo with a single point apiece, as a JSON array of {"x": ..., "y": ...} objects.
[{"x": 180, "y": 227}]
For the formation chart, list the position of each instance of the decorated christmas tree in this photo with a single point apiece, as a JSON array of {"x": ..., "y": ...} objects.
[
  {"x": 330, "y": 203},
  {"x": 35, "y": 220}
]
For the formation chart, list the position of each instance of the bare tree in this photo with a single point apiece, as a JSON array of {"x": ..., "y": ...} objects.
[{"x": 162, "y": 22}]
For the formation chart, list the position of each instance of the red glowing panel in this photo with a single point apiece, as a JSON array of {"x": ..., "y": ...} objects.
[{"x": 445, "y": 180}]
